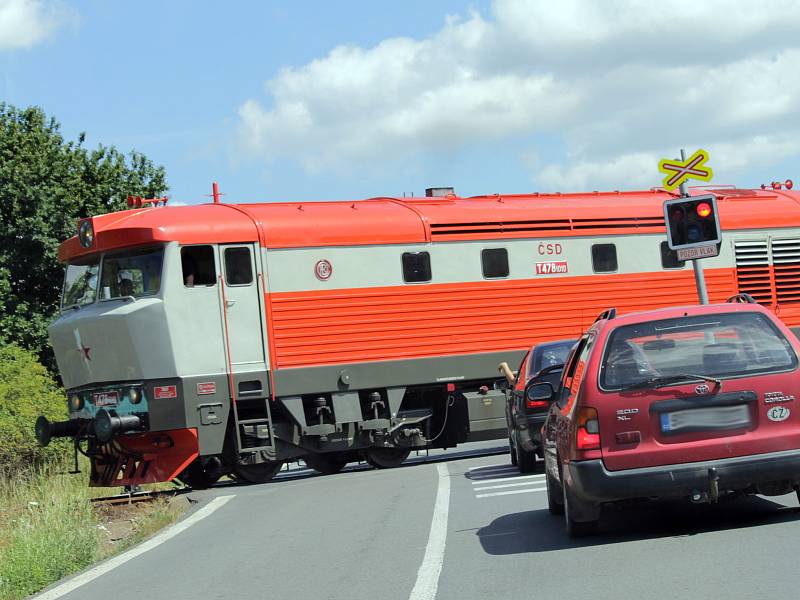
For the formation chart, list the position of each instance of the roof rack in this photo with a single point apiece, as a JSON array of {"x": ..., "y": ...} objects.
[
  {"x": 742, "y": 299},
  {"x": 608, "y": 313}
]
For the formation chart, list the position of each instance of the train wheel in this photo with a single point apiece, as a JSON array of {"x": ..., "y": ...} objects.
[
  {"x": 198, "y": 477},
  {"x": 386, "y": 458},
  {"x": 259, "y": 472},
  {"x": 327, "y": 464}
]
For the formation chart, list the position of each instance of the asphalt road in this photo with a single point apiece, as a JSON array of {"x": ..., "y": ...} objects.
[{"x": 365, "y": 534}]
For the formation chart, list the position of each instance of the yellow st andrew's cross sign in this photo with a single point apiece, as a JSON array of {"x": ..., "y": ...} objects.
[{"x": 678, "y": 171}]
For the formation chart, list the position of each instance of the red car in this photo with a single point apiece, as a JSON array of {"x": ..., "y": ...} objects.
[{"x": 695, "y": 402}]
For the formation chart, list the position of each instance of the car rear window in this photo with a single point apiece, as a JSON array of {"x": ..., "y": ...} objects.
[
  {"x": 550, "y": 355},
  {"x": 716, "y": 345}
]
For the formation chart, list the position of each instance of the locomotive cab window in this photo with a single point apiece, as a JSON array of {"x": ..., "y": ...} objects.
[
  {"x": 135, "y": 273},
  {"x": 669, "y": 258},
  {"x": 604, "y": 258},
  {"x": 494, "y": 262},
  {"x": 238, "y": 267},
  {"x": 80, "y": 283},
  {"x": 416, "y": 267},
  {"x": 198, "y": 266}
]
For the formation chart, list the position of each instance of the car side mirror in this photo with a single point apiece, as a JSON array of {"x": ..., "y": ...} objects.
[
  {"x": 539, "y": 391},
  {"x": 500, "y": 384}
]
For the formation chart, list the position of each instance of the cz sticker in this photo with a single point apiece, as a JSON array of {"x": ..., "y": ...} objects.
[{"x": 778, "y": 413}]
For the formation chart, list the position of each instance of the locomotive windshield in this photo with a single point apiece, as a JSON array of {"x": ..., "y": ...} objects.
[
  {"x": 134, "y": 273},
  {"x": 80, "y": 284}
]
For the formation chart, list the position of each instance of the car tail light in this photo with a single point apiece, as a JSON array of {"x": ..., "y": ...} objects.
[
  {"x": 587, "y": 435},
  {"x": 536, "y": 404}
]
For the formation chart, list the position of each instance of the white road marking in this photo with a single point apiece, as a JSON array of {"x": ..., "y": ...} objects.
[
  {"x": 121, "y": 559},
  {"x": 505, "y": 485},
  {"x": 431, "y": 567},
  {"x": 509, "y": 492},
  {"x": 483, "y": 480},
  {"x": 502, "y": 467}
]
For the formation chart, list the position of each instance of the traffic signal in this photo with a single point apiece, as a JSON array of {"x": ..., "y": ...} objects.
[{"x": 692, "y": 222}]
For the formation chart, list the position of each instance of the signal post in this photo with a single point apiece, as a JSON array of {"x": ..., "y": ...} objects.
[{"x": 692, "y": 222}]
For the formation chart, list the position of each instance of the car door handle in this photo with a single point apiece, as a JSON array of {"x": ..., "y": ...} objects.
[{"x": 230, "y": 303}]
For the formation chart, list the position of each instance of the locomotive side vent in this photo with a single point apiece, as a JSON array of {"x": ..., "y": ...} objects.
[
  {"x": 443, "y": 231},
  {"x": 786, "y": 261},
  {"x": 752, "y": 270}
]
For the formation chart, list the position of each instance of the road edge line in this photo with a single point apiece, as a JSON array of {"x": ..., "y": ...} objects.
[
  {"x": 428, "y": 575},
  {"x": 120, "y": 559}
]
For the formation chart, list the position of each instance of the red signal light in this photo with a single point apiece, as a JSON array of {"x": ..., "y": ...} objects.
[
  {"x": 537, "y": 404},
  {"x": 703, "y": 209}
]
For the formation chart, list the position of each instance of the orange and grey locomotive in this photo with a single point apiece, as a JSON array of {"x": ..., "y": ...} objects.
[{"x": 197, "y": 341}]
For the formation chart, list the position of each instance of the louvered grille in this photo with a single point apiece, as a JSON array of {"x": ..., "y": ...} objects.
[
  {"x": 440, "y": 231},
  {"x": 752, "y": 270},
  {"x": 786, "y": 261}
]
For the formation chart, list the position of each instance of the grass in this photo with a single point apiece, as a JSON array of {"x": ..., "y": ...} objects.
[{"x": 50, "y": 529}]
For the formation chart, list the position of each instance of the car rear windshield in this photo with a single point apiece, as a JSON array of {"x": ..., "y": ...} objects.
[
  {"x": 715, "y": 345},
  {"x": 134, "y": 273},
  {"x": 80, "y": 283},
  {"x": 550, "y": 355}
]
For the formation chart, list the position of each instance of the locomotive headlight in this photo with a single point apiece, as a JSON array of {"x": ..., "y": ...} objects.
[
  {"x": 75, "y": 403},
  {"x": 86, "y": 233},
  {"x": 135, "y": 395}
]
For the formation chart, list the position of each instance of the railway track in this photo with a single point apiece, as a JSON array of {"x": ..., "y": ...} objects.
[{"x": 137, "y": 497}]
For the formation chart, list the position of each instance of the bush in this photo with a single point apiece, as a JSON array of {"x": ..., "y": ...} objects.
[
  {"x": 26, "y": 391},
  {"x": 47, "y": 529}
]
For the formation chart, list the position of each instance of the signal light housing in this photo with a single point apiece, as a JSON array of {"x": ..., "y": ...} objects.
[{"x": 692, "y": 222}]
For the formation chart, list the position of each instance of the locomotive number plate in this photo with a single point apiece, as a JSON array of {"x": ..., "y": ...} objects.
[{"x": 105, "y": 398}]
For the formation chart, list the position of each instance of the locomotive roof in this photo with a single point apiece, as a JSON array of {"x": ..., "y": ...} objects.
[{"x": 416, "y": 220}]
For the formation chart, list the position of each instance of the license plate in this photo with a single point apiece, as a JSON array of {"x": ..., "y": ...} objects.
[
  {"x": 105, "y": 398},
  {"x": 703, "y": 419}
]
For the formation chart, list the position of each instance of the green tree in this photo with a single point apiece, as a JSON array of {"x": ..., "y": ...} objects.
[{"x": 46, "y": 184}]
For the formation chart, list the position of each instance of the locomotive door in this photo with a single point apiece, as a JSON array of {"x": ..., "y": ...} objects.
[{"x": 243, "y": 320}]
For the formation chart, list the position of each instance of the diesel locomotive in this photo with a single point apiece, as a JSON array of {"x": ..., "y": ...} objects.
[{"x": 198, "y": 341}]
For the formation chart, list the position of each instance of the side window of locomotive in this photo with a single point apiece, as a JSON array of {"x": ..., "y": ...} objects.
[
  {"x": 238, "y": 267},
  {"x": 416, "y": 267},
  {"x": 669, "y": 258},
  {"x": 494, "y": 262},
  {"x": 198, "y": 266},
  {"x": 604, "y": 258}
]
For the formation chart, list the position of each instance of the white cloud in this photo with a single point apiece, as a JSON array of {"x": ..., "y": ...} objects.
[
  {"x": 619, "y": 83},
  {"x": 25, "y": 23}
]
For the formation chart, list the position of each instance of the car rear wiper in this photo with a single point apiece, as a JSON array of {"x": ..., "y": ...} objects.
[{"x": 664, "y": 380}]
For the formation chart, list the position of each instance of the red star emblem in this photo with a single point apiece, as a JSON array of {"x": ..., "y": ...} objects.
[{"x": 85, "y": 351}]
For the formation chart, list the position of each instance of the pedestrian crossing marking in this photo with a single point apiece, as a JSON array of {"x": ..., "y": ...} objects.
[
  {"x": 510, "y": 492},
  {"x": 484, "y": 480},
  {"x": 504, "y": 485}
]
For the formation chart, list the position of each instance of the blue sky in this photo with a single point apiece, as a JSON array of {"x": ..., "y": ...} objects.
[{"x": 352, "y": 99}]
